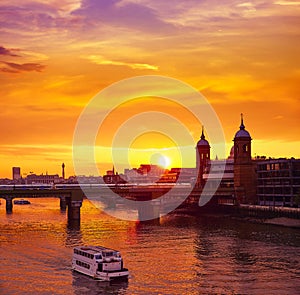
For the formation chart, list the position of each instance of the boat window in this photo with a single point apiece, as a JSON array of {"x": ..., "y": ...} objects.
[
  {"x": 98, "y": 256},
  {"x": 82, "y": 264},
  {"x": 108, "y": 254}
]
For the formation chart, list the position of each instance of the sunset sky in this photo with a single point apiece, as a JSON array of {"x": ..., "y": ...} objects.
[{"x": 57, "y": 55}]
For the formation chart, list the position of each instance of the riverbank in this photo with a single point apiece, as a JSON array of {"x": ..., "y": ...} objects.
[
  {"x": 280, "y": 221},
  {"x": 233, "y": 213},
  {"x": 283, "y": 221}
]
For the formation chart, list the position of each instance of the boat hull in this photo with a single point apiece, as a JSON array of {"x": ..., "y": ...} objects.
[{"x": 105, "y": 276}]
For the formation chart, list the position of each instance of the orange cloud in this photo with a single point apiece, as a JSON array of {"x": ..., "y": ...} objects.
[{"x": 56, "y": 55}]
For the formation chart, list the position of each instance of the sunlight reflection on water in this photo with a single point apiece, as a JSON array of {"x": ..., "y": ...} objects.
[{"x": 178, "y": 255}]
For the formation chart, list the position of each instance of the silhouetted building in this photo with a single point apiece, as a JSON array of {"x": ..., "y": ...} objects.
[
  {"x": 43, "y": 178},
  {"x": 224, "y": 178},
  {"x": 168, "y": 177},
  {"x": 113, "y": 178},
  {"x": 178, "y": 175},
  {"x": 202, "y": 158},
  {"x": 244, "y": 167},
  {"x": 16, "y": 173},
  {"x": 272, "y": 182},
  {"x": 237, "y": 183},
  {"x": 278, "y": 182},
  {"x": 146, "y": 173}
]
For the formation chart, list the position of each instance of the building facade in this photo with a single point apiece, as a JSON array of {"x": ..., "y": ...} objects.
[
  {"x": 202, "y": 159},
  {"x": 42, "y": 179},
  {"x": 223, "y": 179},
  {"x": 272, "y": 182},
  {"x": 16, "y": 173},
  {"x": 244, "y": 167},
  {"x": 278, "y": 182}
]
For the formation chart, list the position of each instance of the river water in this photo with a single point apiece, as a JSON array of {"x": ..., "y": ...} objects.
[{"x": 178, "y": 255}]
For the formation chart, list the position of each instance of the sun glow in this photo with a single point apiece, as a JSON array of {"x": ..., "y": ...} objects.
[{"x": 164, "y": 161}]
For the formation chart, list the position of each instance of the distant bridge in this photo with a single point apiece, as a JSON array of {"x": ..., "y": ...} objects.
[{"x": 71, "y": 196}]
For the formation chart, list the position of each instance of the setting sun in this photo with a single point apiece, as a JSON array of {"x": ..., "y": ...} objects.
[
  {"x": 150, "y": 147},
  {"x": 164, "y": 162},
  {"x": 48, "y": 78}
]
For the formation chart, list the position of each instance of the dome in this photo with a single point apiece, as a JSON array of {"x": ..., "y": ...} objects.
[
  {"x": 202, "y": 141},
  {"x": 242, "y": 132}
]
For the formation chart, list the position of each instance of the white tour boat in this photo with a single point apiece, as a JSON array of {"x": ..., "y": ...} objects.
[{"x": 99, "y": 262}]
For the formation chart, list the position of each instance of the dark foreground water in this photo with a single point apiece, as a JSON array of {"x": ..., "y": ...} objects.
[{"x": 179, "y": 255}]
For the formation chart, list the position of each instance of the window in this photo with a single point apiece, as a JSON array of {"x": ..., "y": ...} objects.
[
  {"x": 236, "y": 150},
  {"x": 83, "y": 264},
  {"x": 108, "y": 254}
]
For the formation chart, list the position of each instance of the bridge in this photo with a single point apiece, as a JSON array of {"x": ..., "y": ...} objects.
[
  {"x": 164, "y": 198},
  {"x": 71, "y": 197}
]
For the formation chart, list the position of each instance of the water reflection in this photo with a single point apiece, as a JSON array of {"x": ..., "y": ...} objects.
[
  {"x": 243, "y": 258},
  {"x": 85, "y": 285},
  {"x": 178, "y": 255},
  {"x": 73, "y": 235}
]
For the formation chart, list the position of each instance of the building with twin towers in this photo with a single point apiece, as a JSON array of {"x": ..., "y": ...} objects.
[{"x": 247, "y": 180}]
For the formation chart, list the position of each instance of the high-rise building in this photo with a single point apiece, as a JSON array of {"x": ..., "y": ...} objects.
[{"x": 16, "y": 173}]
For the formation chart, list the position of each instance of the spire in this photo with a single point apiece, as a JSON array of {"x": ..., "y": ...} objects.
[
  {"x": 202, "y": 135},
  {"x": 63, "y": 170},
  {"x": 202, "y": 142},
  {"x": 242, "y": 132},
  {"x": 242, "y": 127},
  {"x": 113, "y": 170}
]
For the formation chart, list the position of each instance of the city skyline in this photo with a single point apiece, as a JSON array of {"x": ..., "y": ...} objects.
[
  {"x": 55, "y": 56},
  {"x": 155, "y": 156}
]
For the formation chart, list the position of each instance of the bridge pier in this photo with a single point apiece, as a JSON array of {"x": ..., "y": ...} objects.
[
  {"x": 63, "y": 203},
  {"x": 148, "y": 211},
  {"x": 9, "y": 205},
  {"x": 74, "y": 211}
]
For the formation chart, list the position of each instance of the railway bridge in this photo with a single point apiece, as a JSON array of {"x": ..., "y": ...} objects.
[
  {"x": 70, "y": 199},
  {"x": 72, "y": 196}
]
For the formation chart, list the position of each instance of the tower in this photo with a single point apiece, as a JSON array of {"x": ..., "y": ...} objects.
[
  {"x": 244, "y": 173},
  {"x": 16, "y": 173},
  {"x": 63, "y": 170},
  {"x": 202, "y": 158}
]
